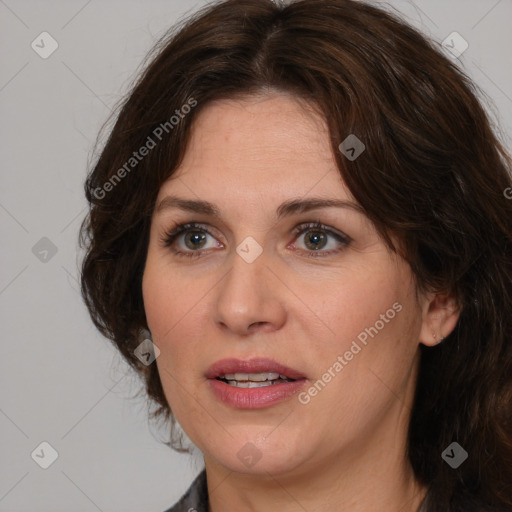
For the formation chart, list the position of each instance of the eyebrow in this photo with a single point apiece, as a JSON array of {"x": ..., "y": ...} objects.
[{"x": 286, "y": 209}]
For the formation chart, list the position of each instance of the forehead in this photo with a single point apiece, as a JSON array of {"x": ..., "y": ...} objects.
[{"x": 256, "y": 149}]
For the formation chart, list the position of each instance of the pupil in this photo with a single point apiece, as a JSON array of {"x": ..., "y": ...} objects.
[
  {"x": 195, "y": 239},
  {"x": 317, "y": 239}
]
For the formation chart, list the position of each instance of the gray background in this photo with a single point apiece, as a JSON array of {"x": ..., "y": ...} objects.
[{"x": 60, "y": 381}]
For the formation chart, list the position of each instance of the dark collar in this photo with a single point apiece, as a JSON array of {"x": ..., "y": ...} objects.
[{"x": 196, "y": 497}]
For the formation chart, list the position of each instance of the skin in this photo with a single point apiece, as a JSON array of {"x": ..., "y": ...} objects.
[{"x": 345, "y": 449}]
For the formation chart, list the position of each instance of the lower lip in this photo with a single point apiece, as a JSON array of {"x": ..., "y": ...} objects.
[{"x": 254, "y": 398}]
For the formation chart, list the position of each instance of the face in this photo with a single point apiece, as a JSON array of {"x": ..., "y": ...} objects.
[{"x": 312, "y": 288}]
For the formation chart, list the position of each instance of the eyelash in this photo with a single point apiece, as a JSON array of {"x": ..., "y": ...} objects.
[{"x": 169, "y": 238}]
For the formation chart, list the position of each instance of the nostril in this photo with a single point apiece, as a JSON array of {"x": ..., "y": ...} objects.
[{"x": 256, "y": 324}]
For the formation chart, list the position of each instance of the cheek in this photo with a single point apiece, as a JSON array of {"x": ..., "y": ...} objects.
[
  {"x": 167, "y": 299},
  {"x": 169, "y": 317},
  {"x": 158, "y": 301},
  {"x": 348, "y": 302},
  {"x": 173, "y": 307},
  {"x": 372, "y": 321},
  {"x": 379, "y": 341},
  {"x": 365, "y": 366}
]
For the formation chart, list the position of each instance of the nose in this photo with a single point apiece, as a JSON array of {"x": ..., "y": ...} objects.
[{"x": 250, "y": 298}]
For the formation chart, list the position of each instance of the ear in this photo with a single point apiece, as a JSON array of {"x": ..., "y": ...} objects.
[{"x": 440, "y": 314}]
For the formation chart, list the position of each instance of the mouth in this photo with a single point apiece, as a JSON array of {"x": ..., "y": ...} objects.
[
  {"x": 259, "y": 371},
  {"x": 253, "y": 384}
]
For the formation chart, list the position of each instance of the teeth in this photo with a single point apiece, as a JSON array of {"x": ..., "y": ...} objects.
[
  {"x": 250, "y": 384},
  {"x": 255, "y": 377},
  {"x": 254, "y": 380}
]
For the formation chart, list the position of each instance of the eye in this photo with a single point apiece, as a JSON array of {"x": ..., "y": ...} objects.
[
  {"x": 191, "y": 240},
  {"x": 194, "y": 238},
  {"x": 316, "y": 238}
]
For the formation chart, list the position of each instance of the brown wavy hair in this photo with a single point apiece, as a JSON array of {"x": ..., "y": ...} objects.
[{"x": 433, "y": 174}]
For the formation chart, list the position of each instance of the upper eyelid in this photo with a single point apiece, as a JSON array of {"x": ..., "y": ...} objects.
[
  {"x": 189, "y": 226},
  {"x": 321, "y": 225}
]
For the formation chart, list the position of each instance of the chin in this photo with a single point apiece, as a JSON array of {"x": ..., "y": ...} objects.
[{"x": 251, "y": 453}]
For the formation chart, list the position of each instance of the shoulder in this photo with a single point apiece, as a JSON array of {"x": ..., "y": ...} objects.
[{"x": 195, "y": 498}]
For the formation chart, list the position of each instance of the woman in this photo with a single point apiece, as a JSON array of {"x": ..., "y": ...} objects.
[{"x": 301, "y": 213}]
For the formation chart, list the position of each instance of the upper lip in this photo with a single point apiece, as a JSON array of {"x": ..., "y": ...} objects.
[{"x": 256, "y": 365}]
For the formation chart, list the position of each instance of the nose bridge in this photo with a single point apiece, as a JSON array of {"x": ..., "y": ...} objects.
[
  {"x": 245, "y": 282},
  {"x": 247, "y": 295}
]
